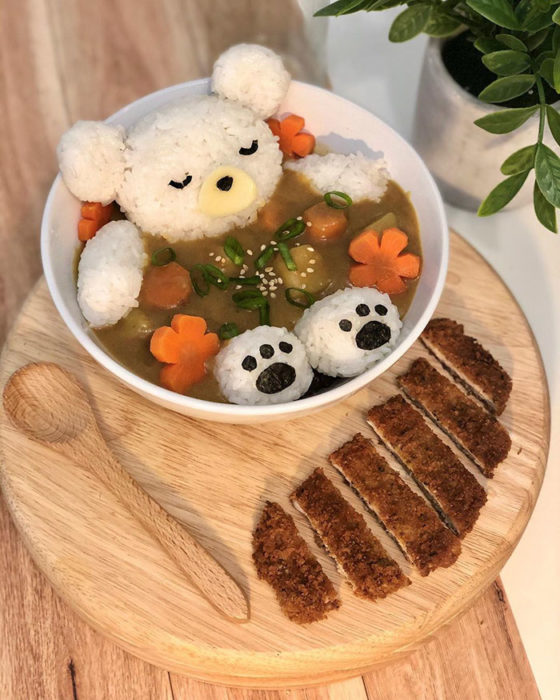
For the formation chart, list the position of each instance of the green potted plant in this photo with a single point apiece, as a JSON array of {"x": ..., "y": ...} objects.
[{"x": 497, "y": 63}]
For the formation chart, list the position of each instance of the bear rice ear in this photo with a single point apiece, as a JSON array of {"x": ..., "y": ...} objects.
[
  {"x": 91, "y": 160},
  {"x": 252, "y": 75}
]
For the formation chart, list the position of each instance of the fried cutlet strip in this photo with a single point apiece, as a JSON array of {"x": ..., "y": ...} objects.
[
  {"x": 453, "y": 490},
  {"x": 344, "y": 533},
  {"x": 477, "y": 433},
  {"x": 283, "y": 559},
  {"x": 406, "y": 515},
  {"x": 472, "y": 365}
]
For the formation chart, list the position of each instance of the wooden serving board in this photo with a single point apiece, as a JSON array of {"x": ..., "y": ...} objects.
[{"x": 215, "y": 478}]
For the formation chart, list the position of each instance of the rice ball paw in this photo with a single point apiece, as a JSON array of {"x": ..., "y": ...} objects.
[
  {"x": 349, "y": 331},
  {"x": 266, "y": 365},
  {"x": 195, "y": 167}
]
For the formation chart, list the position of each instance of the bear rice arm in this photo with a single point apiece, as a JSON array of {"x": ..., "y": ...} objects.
[
  {"x": 91, "y": 160},
  {"x": 110, "y": 273},
  {"x": 354, "y": 174}
]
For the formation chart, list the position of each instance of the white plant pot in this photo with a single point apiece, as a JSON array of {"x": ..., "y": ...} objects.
[{"x": 464, "y": 159}]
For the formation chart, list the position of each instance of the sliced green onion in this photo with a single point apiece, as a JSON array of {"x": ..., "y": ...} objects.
[
  {"x": 292, "y": 292},
  {"x": 246, "y": 281},
  {"x": 234, "y": 250},
  {"x": 201, "y": 289},
  {"x": 253, "y": 299},
  {"x": 290, "y": 229},
  {"x": 337, "y": 205},
  {"x": 215, "y": 276},
  {"x": 228, "y": 330},
  {"x": 264, "y": 257},
  {"x": 163, "y": 256},
  {"x": 287, "y": 256}
]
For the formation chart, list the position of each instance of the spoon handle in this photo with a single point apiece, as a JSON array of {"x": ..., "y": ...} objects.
[{"x": 201, "y": 568}]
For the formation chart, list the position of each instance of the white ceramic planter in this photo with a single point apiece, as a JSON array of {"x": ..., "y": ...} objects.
[{"x": 464, "y": 159}]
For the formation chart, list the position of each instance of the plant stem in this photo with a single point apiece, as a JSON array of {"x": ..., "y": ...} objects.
[{"x": 542, "y": 102}]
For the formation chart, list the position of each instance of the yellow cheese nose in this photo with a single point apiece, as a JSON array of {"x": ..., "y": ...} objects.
[{"x": 226, "y": 191}]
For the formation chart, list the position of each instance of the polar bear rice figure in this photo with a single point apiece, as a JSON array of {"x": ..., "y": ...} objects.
[{"x": 198, "y": 166}]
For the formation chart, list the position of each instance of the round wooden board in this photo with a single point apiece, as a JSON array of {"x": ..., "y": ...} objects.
[{"x": 215, "y": 479}]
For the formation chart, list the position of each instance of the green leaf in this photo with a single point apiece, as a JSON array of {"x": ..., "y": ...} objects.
[
  {"x": 534, "y": 41},
  {"x": 556, "y": 72},
  {"x": 512, "y": 41},
  {"x": 440, "y": 24},
  {"x": 409, "y": 23},
  {"x": 547, "y": 171},
  {"x": 533, "y": 15},
  {"x": 544, "y": 210},
  {"x": 505, "y": 89},
  {"x": 506, "y": 62},
  {"x": 502, "y": 194},
  {"x": 547, "y": 71},
  {"x": 379, "y": 5},
  {"x": 505, "y": 121},
  {"x": 341, "y": 7},
  {"x": 520, "y": 161},
  {"x": 486, "y": 44},
  {"x": 498, "y": 11},
  {"x": 553, "y": 123},
  {"x": 556, "y": 16}
]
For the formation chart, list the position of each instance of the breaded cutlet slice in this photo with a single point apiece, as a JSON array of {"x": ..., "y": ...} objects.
[
  {"x": 344, "y": 533},
  {"x": 475, "y": 431},
  {"x": 406, "y": 515},
  {"x": 469, "y": 363},
  {"x": 454, "y": 491},
  {"x": 283, "y": 559}
]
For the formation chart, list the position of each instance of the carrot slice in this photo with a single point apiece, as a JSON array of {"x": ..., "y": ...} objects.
[
  {"x": 380, "y": 263},
  {"x": 165, "y": 287},
  {"x": 86, "y": 229},
  {"x": 325, "y": 223},
  {"x": 292, "y": 141},
  {"x": 185, "y": 348}
]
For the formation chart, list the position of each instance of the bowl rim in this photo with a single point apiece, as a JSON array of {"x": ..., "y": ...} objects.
[{"x": 285, "y": 410}]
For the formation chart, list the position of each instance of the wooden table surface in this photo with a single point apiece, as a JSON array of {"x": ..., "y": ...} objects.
[{"x": 65, "y": 61}]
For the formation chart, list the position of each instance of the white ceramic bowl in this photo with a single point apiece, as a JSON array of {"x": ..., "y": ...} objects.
[{"x": 343, "y": 127}]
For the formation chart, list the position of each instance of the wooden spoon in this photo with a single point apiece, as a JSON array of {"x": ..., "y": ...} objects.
[{"x": 49, "y": 405}]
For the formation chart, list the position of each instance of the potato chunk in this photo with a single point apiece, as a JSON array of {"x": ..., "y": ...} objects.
[{"x": 311, "y": 274}]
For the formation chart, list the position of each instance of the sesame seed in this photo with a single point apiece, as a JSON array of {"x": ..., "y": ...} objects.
[
  {"x": 273, "y": 287},
  {"x": 308, "y": 223},
  {"x": 238, "y": 286},
  {"x": 280, "y": 280},
  {"x": 299, "y": 218},
  {"x": 310, "y": 249},
  {"x": 310, "y": 269},
  {"x": 218, "y": 258},
  {"x": 211, "y": 254},
  {"x": 263, "y": 246},
  {"x": 303, "y": 274},
  {"x": 303, "y": 286},
  {"x": 268, "y": 269},
  {"x": 249, "y": 251},
  {"x": 265, "y": 293},
  {"x": 246, "y": 267},
  {"x": 272, "y": 295},
  {"x": 272, "y": 242}
]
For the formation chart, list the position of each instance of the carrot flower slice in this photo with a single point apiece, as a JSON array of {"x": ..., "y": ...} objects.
[
  {"x": 293, "y": 141},
  {"x": 380, "y": 263},
  {"x": 184, "y": 347}
]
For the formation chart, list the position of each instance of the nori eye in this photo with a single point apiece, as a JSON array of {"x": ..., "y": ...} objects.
[
  {"x": 345, "y": 325},
  {"x": 285, "y": 347},
  {"x": 362, "y": 310},
  {"x": 249, "y": 363},
  {"x": 380, "y": 309},
  {"x": 267, "y": 351},
  {"x": 253, "y": 148},
  {"x": 180, "y": 185}
]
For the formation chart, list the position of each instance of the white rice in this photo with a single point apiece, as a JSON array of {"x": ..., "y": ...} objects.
[
  {"x": 354, "y": 174},
  {"x": 241, "y": 384},
  {"x": 333, "y": 350},
  {"x": 110, "y": 273},
  {"x": 91, "y": 160},
  {"x": 252, "y": 75}
]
